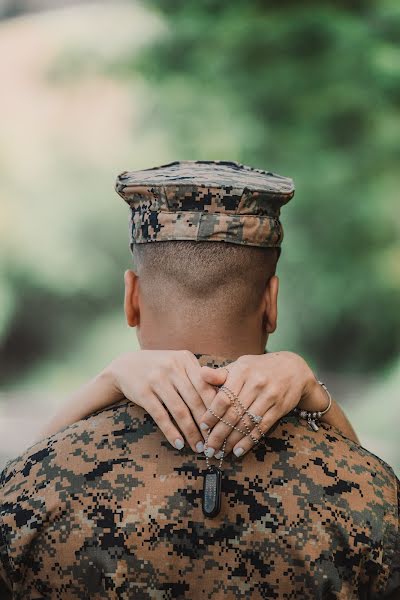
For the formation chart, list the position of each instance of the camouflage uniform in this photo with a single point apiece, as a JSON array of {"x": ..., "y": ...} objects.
[{"x": 107, "y": 508}]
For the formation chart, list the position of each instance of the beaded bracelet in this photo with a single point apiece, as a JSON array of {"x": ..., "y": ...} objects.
[{"x": 313, "y": 417}]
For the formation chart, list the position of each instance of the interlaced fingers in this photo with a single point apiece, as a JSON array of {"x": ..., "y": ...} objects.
[{"x": 241, "y": 411}]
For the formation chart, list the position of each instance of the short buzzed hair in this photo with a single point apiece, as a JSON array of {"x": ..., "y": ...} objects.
[{"x": 205, "y": 275}]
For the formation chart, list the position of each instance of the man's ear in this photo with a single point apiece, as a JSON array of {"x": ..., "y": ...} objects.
[
  {"x": 271, "y": 304},
  {"x": 131, "y": 300}
]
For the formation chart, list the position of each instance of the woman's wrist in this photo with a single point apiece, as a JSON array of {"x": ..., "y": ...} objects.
[
  {"x": 314, "y": 399},
  {"x": 109, "y": 379}
]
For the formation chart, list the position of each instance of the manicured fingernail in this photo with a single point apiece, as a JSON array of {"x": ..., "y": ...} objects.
[
  {"x": 200, "y": 447},
  {"x": 219, "y": 454},
  {"x": 209, "y": 452},
  {"x": 238, "y": 452},
  {"x": 204, "y": 426},
  {"x": 179, "y": 444}
]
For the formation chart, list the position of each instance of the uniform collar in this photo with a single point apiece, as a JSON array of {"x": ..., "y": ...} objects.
[{"x": 208, "y": 360}]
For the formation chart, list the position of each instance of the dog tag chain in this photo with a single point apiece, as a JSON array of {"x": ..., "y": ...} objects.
[{"x": 212, "y": 486}]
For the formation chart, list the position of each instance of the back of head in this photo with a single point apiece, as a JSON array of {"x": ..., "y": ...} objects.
[
  {"x": 205, "y": 234},
  {"x": 227, "y": 280}
]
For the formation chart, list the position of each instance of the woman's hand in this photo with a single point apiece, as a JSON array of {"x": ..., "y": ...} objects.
[
  {"x": 268, "y": 385},
  {"x": 166, "y": 383},
  {"x": 173, "y": 388}
]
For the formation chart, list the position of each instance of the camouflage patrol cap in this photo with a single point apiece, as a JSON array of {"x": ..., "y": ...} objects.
[{"x": 205, "y": 201}]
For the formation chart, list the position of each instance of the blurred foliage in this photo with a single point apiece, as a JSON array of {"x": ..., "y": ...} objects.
[
  {"x": 66, "y": 132},
  {"x": 13, "y": 8},
  {"x": 310, "y": 90}
]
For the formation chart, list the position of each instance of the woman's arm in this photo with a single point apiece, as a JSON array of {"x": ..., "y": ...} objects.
[{"x": 172, "y": 384}]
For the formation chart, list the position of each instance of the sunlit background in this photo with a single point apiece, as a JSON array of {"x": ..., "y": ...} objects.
[{"x": 89, "y": 89}]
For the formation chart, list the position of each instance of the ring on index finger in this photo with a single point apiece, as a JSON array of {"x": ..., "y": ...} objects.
[{"x": 255, "y": 418}]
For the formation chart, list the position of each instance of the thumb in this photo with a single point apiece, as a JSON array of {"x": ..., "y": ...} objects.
[{"x": 214, "y": 376}]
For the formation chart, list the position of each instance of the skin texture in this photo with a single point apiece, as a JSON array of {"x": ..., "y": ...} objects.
[{"x": 199, "y": 331}]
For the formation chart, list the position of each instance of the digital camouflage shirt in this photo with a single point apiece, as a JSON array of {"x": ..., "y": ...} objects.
[{"x": 107, "y": 508}]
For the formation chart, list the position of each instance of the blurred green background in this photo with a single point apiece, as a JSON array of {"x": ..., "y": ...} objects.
[{"x": 89, "y": 89}]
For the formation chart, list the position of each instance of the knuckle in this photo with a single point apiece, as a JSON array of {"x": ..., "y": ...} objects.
[
  {"x": 181, "y": 413},
  {"x": 163, "y": 369},
  {"x": 153, "y": 378},
  {"x": 223, "y": 402},
  {"x": 269, "y": 421},
  {"x": 215, "y": 433},
  {"x": 197, "y": 417},
  {"x": 203, "y": 387},
  {"x": 244, "y": 360},
  {"x": 170, "y": 433},
  {"x": 168, "y": 429},
  {"x": 185, "y": 354},
  {"x": 197, "y": 405},
  {"x": 159, "y": 414},
  {"x": 173, "y": 361},
  {"x": 218, "y": 440},
  {"x": 191, "y": 431},
  {"x": 207, "y": 397},
  {"x": 191, "y": 401},
  {"x": 259, "y": 379},
  {"x": 273, "y": 392},
  {"x": 146, "y": 391},
  {"x": 191, "y": 396},
  {"x": 190, "y": 427},
  {"x": 168, "y": 358},
  {"x": 257, "y": 383}
]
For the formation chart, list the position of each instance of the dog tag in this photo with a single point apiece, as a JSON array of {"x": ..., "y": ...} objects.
[{"x": 212, "y": 492}]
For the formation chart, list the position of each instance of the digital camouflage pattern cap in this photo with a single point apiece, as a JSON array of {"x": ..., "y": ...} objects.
[{"x": 205, "y": 201}]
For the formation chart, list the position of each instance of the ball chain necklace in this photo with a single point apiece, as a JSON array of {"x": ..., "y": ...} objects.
[{"x": 212, "y": 487}]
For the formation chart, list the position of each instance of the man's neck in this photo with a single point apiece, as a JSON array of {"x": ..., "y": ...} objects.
[{"x": 204, "y": 339}]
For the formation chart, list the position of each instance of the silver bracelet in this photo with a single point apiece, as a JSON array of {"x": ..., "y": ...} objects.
[{"x": 313, "y": 417}]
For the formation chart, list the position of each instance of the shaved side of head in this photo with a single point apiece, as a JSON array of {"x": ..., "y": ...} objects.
[{"x": 226, "y": 279}]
